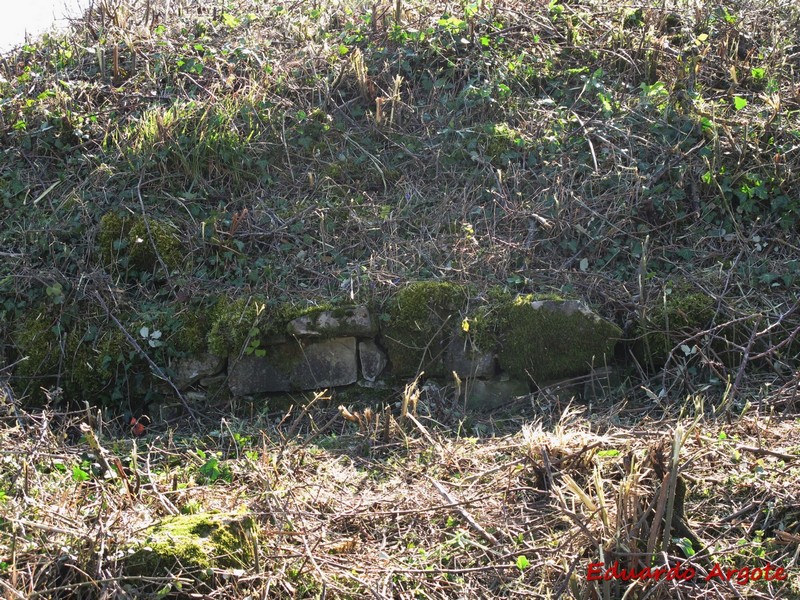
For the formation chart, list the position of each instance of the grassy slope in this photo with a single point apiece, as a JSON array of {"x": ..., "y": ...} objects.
[{"x": 330, "y": 153}]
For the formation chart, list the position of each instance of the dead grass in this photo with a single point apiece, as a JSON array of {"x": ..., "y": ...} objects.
[{"x": 418, "y": 511}]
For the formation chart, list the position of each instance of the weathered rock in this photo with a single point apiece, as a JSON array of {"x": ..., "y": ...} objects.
[
  {"x": 486, "y": 394},
  {"x": 547, "y": 340},
  {"x": 191, "y": 369},
  {"x": 327, "y": 363},
  {"x": 466, "y": 360},
  {"x": 296, "y": 366},
  {"x": 346, "y": 321},
  {"x": 258, "y": 375},
  {"x": 373, "y": 360}
]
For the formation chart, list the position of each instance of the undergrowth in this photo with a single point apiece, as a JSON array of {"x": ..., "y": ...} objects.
[
  {"x": 331, "y": 152},
  {"x": 164, "y": 160}
]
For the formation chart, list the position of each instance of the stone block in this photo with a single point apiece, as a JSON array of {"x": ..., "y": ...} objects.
[
  {"x": 346, "y": 321},
  {"x": 296, "y": 366},
  {"x": 373, "y": 360},
  {"x": 467, "y": 361},
  {"x": 491, "y": 393},
  {"x": 257, "y": 375},
  {"x": 327, "y": 363},
  {"x": 191, "y": 369}
]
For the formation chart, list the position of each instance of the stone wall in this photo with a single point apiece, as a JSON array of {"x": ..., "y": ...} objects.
[{"x": 497, "y": 350}]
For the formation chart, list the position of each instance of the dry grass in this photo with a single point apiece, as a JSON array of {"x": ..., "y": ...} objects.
[{"x": 418, "y": 511}]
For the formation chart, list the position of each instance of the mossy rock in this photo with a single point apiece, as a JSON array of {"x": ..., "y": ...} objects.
[
  {"x": 551, "y": 339},
  {"x": 234, "y": 322},
  {"x": 253, "y": 318},
  {"x": 194, "y": 543},
  {"x": 124, "y": 241},
  {"x": 421, "y": 317},
  {"x": 35, "y": 337},
  {"x": 669, "y": 323},
  {"x": 144, "y": 253},
  {"x": 193, "y": 337}
]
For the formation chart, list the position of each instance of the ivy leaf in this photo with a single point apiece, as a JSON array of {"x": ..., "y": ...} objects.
[{"x": 739, "y": 103}]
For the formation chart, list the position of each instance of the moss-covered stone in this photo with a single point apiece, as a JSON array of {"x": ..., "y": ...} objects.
[
  {"x": 191, "y": 332},
  {"x": 194, "y": 542},
  {"x": 233, "y": 323},
  {"x": 123, "y": 240},
  {"x": 254, "y": 318},
  {"x": 546, "y": 340},
  {"x": 112, "y": 236},
  {"x": 144, "y": 252},
  {"x": 669, "y": 323},
  {"x": 34, "y": 337},
  {"x": 421, "y": 318}
]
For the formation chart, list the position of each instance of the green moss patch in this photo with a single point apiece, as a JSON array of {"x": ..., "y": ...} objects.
[
  {"x": 35, "y": 337},
  {"x": 422, "y": 316},
  {"x": 194, "y": 542},
  {"x": 124, "y": 241},
  {"x": 145, "y": 249},
  {"x": 669, "y": 322},
  {"x": 547, "y": 340}
]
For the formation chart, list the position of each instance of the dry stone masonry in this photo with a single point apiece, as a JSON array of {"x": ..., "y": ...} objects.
[{"x": 497, "y": 352}]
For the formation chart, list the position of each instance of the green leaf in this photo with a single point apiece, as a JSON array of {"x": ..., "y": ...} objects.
[
  {"x": 523, "y": 562},
  {"x": 739, "y": 103},
  {"x": 210, "y": 470},
  {"x": 684, "y": 544},
  {"x": 230, "y": 20},
  {"x": 79, "y": 474},
  {"x": 608, "y": 453}
]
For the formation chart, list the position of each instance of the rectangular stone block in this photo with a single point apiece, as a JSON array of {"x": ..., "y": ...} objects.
[{"x": 296, "y": 366}]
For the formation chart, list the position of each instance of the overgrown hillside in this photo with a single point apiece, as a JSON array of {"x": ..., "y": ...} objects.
[
  {"x": 305, "y": 154},
  {"x": 166, "y": 164}
]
